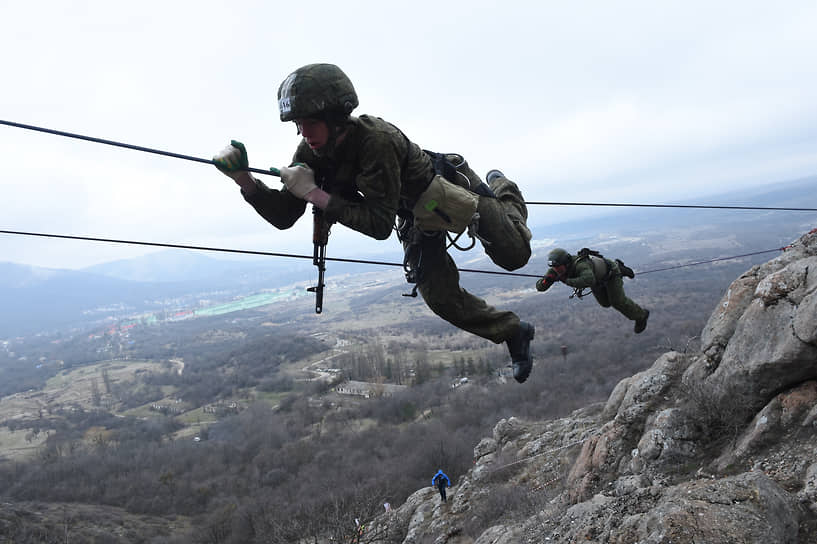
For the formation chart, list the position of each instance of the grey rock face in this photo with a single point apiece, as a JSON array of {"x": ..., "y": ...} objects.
[
  {"x": 712, "y": 447},
  {"x": 772, "y": 347},
  {"x": 745, "y": 508}
]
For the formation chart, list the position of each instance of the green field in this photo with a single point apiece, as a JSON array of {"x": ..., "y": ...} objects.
[{"x": 247, "y": 303}]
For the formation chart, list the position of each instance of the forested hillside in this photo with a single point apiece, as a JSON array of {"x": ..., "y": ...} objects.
[
  {"x": 276, "y": 447},
  {"x": 218, "y": 428}
]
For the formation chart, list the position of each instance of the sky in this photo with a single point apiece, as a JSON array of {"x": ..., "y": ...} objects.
[{"x": 630, "y": 101}]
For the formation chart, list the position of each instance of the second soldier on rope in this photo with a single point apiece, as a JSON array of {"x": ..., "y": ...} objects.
[{"x": 591, "y": 270}]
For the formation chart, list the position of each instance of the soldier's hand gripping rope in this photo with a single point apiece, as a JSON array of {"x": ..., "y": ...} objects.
[{"x": 300, "y": 182}]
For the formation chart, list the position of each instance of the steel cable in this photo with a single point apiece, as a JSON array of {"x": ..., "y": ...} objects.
[
  {"x": 274, "y": 172},
  {"x": 334, "y": 259}
]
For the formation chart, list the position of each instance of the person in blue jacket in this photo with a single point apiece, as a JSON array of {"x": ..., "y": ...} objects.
[{"x": 441, "y": 481}]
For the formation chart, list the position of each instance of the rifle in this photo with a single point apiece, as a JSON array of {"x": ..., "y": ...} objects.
[{"x": 320, "y": 237}]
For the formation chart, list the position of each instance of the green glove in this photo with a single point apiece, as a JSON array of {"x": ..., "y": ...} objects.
[{"x": 232, "y": 160}]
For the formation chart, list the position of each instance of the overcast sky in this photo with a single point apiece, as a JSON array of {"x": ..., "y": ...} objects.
[{"x": 637, "y": 101}]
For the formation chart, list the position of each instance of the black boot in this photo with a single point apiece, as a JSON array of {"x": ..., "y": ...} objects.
[
  {"x": 641, "y": 324},
  {"x": 519, "y": 346},
  {"x": 625, "y": 270}
]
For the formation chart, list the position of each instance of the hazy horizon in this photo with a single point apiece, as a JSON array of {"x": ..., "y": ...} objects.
[
  {"x": 374, "y": 247},
  {"x": 632, "y": 102}
]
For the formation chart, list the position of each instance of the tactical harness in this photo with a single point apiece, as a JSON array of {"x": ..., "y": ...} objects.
[
  {"x": 452, "y": 167},
  {"x": 597, "y": 260}
]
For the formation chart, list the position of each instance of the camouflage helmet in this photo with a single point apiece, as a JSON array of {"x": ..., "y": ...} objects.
[
  {"x": 558, "y": 257},
  {"x": 315, "y": 89}
]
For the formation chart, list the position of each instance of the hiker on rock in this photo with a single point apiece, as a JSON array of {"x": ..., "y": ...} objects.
[
  {"x": 590, "y": 269},
  {"x": 441, "y": 481},
  {"x": 363, "y": 172}
]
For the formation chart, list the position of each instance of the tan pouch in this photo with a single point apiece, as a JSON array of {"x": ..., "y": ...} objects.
[
  {"x": 599, "y": 267},
  {"x": 445, "y": 206}
]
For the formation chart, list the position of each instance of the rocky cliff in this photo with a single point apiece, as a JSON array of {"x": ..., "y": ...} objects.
[{"x": 717, "y": 446}]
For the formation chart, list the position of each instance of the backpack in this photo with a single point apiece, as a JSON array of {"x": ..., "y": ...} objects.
[{"x": 601, "y": 270}]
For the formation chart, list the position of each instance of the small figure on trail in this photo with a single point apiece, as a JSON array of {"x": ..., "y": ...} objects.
[
  {"x": 364, "y": 173},
  {"x": 441, "y": 481},
  {"x": 590, "y": 269}
]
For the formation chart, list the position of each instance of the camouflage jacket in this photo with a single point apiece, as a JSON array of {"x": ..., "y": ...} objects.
[{"x": 372, "y": 173}]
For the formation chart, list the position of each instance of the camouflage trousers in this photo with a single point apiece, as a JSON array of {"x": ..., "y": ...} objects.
[
  {"x": 611, "y": 293},
  {"x": 506, "y": 240}
]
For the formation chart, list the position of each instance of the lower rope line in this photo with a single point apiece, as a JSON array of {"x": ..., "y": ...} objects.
[
  {"x": 547, "y": 483},
  {"x": 239, "y": 251},
  {"x": 712, "y": 260},
  {"x": 334, "y": 259},
  {"x": 570, "y": 445}
]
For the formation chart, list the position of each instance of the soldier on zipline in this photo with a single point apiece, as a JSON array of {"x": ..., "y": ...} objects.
[
  {"x": 363, "y": 172},
  {"x": 589, "y": 269}
]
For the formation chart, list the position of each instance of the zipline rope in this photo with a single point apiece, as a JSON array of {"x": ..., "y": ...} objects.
[
  {"x": 275, "y": 172},
  {"x": 127, "y": 146},
  {"x": 335, "y": 259},
  {"x": 244, "y": 251},
  {"x": 712, "y": 260},
  {"x": 691, "y": 206}
]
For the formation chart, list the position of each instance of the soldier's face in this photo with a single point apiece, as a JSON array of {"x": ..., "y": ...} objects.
[{"x": 314, "y": 131}]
